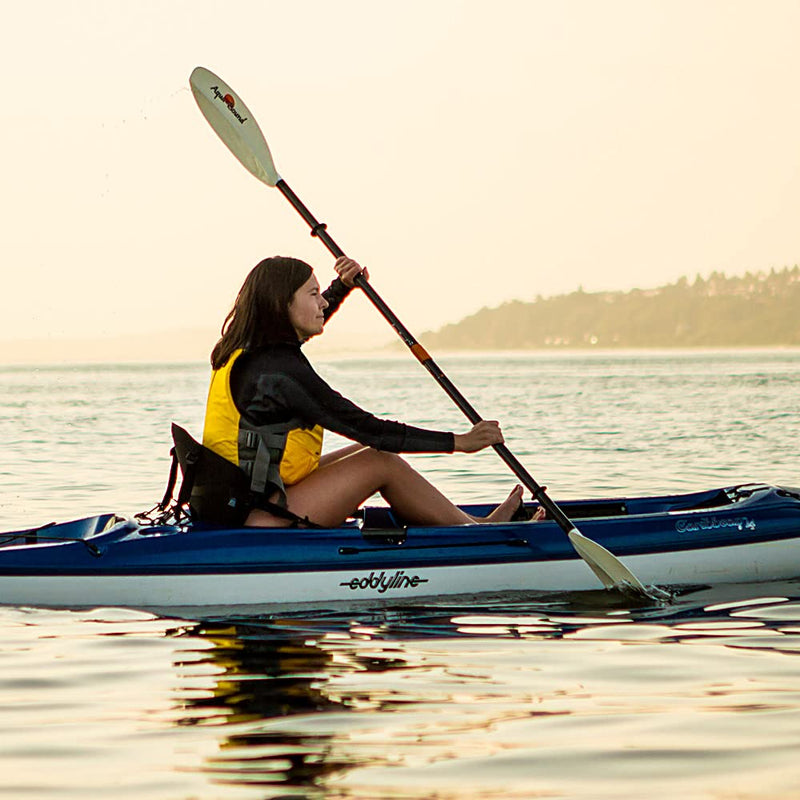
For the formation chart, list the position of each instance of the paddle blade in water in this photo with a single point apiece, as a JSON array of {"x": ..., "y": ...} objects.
[
  {"x": 611, "y": 571},
  {"x": 228, "y": 115}
]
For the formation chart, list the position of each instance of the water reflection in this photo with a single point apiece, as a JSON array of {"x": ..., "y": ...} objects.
[
  {"x": 268, "y": 684},
  {"x": 313, "y": 705},
  {"x": 255, "y": 676}
]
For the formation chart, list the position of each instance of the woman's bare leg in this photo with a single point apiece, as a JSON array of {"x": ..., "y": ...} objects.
[
  {"x": 351, "y": 475},
  {"x": 260, "y": 518}
]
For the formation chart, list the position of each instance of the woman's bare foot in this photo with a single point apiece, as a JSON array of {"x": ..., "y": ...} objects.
[{"x": 506, "y": 509}]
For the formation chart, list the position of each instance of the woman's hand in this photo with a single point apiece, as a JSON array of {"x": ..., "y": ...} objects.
[
  {"x": 347, "y": 270},
  {"x": 486, "y": 433}
]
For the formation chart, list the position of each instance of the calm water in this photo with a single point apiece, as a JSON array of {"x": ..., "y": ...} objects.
[{"x": 564, "y": 696}]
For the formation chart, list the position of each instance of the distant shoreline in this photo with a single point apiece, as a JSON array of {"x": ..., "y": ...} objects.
[
  {"x": 753, "y": 310},
  {"x": 395, "y": 354}
]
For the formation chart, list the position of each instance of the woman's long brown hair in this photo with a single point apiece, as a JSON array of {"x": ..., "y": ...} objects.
[{"x": 260, "y": 314}]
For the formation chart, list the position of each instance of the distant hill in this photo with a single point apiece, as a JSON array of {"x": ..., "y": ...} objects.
[{"x": 749, "y": 311}]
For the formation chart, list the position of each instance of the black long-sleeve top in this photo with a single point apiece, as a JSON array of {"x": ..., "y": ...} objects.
[{"x": 276, "y": 382}]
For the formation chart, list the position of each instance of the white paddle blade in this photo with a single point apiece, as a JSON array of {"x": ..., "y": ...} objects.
[
  {"x": 611, "y": 571},
  {"x": 228, "y": 115}
]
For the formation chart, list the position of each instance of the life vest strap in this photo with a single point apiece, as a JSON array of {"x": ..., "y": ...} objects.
[{"x": 260, "y": 451}]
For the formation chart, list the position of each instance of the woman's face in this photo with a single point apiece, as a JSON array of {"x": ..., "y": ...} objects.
[{"x": 305, "y": 310}]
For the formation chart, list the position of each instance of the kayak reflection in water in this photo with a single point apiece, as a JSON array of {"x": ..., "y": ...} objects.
[{"x": 267, "y": 409}]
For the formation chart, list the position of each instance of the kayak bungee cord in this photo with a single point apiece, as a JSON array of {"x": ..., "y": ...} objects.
[
  {"x": 235, "y": 125},
  {"x": 33, "y": 536}
]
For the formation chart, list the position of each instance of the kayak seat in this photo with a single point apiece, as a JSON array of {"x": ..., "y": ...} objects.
[{"x": 217, "y": 491}]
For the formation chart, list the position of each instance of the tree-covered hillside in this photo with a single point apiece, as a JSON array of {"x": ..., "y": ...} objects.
[{"x": 752, "y": 310}]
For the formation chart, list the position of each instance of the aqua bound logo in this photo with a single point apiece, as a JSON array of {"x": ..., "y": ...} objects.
[
  {"x": 383, "y": 582},
  {"x": 230, "y": 102}
]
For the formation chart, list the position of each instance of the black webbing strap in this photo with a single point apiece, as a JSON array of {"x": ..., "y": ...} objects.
[
  {"x": 284, "y": 513},
  {"x": 173, "y": 477},
  {"x": 189, "y": 469}
]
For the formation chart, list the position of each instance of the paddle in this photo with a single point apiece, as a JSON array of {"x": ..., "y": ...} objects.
[{"x": 234, "y": 124}]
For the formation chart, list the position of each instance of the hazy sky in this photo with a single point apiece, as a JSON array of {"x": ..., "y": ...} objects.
[{"x": 468, "y": 152}]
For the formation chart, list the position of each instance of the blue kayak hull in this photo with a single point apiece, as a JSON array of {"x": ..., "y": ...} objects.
[{"x": 731, "y": 535}]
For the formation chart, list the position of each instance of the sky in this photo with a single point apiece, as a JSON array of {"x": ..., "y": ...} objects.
[{"x": 467, "y": 152}]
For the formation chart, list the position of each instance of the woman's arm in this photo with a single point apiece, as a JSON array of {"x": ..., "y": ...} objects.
[{"x": 277, "y": 383}]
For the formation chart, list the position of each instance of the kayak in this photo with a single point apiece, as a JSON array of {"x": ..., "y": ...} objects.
[{"x": 735, "y": 534}]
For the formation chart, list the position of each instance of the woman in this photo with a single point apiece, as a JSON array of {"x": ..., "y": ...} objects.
[{"x": 267, "y": 409}]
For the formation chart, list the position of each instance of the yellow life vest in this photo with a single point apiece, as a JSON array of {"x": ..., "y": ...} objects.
[
  {"x": 225, "y": 433},
  {"x": 302, "y": 454}
]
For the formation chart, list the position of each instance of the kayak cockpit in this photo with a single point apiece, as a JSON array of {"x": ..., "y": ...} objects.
[
  {"x": 661, "y": 504},
  {"x": 377, "y": 521}
]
